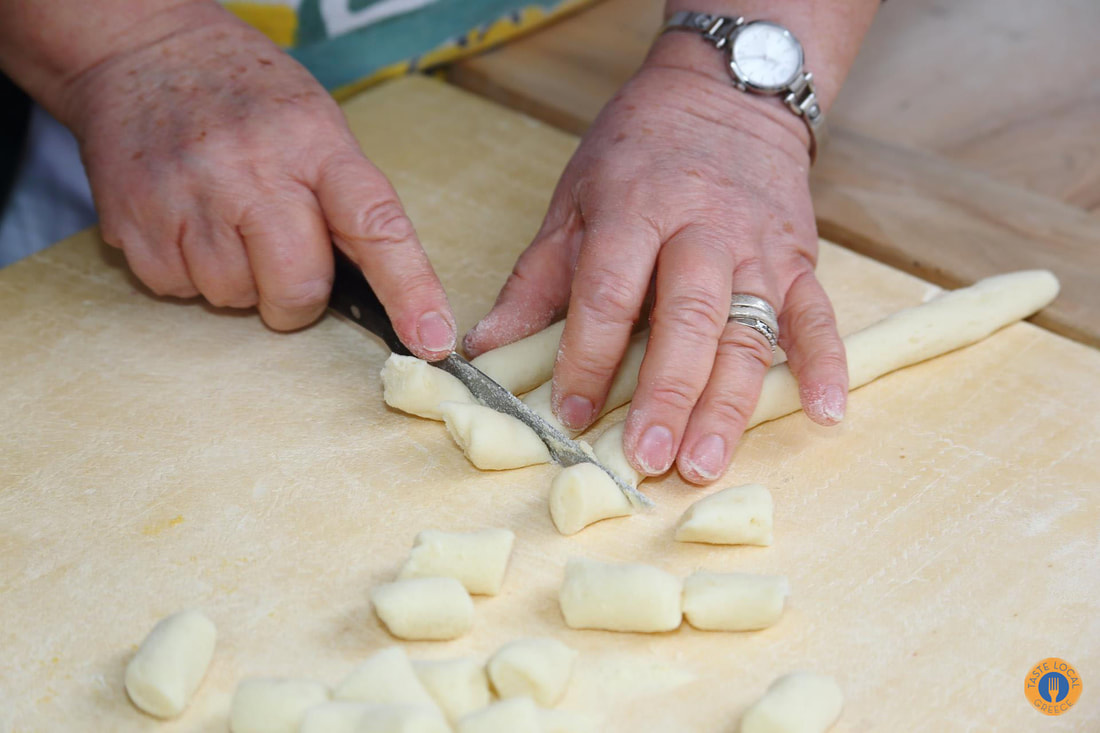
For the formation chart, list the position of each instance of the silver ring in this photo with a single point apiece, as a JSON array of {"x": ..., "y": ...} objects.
[{"x": 757, "y": 314}]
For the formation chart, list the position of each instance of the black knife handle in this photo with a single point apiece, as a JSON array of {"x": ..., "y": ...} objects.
[{"x": 354, "y": 298}]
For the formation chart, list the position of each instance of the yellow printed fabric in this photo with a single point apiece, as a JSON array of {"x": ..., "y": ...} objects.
[{"x": 350, "y": 44}]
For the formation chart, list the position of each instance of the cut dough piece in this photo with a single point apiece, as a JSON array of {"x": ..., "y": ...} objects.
[
  {"x": 269, "y": 705},
  {"x": 413, "y": 385},
  {"x": 335, "y": 717},
  {"x": 629, "y": 597},
  {"x": 953, "y": 320},
  {"x": 568, "y": 721},
  {"x": 358, "y": 717},
  {"x": 734, "y": 601},
  {"x": 424, "y": 608},
  {"x": 800, "y": 702},
  {"x": 386, "y": 677},
  {"x": 515, "y": 715},
  {"x": 525, "y": 364},
  {"x": 538, "y": 668},
  {"x": 478, "y": 560},
  {"x": 583, "y": 494},
  {"x": 170, "y": 663},
  {"x": 491, "y": 439},
  {"x": 403, "y": 719},
  {"x": 459, "y": 686},
  {"x": 619, "y": 393},
  {"x": 741, "y": 515}
]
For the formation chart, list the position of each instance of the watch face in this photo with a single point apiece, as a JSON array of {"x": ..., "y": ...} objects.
[{"x": 765, "y": 56}]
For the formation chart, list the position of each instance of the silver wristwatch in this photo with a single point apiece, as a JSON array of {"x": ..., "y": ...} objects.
[{"x": 765, "y": 58}]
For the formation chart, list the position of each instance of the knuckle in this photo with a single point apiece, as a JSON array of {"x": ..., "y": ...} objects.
[
  {"x": 811, "y": 321},
  {"x": 751, "y": 269},
  {"x": 299, "y": 295},
  {"x": 694, "y": 315},
  {"x": 744, "y": 345},
  {"x": 240, "y": 296},
  {"x": 731, "y": 410},
  {"x": 596, "y": 367},
  {"x": 609, "y": 297},
  {"x": 833, "y": 362},
  {"x": 674, "y": 393},
  {"x": 382, "y": 222}
]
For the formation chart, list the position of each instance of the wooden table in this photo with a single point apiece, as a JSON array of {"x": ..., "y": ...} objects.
[
  {"x": 966, "y": 140},
  {"x": 158, "y": 455}
]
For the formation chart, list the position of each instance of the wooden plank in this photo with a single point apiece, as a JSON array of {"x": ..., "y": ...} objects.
[
  {"x": 969, "y": 224},
  {"x": 1010, "y": 88},
  {"x": 159, "y": 455},
  {"x": 919, "y": 213},
  {"x": 934, "y": 76},
  {"x": 564, "y": 74}
]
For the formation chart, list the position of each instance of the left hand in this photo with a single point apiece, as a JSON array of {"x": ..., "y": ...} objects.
[{"x": 701, "y": 189}]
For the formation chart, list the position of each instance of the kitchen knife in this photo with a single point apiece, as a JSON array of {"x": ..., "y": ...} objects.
[{"x": 353, "y": 298}]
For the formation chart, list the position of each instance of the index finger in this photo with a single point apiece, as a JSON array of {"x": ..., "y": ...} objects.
[{"x": 369, "y": 224}]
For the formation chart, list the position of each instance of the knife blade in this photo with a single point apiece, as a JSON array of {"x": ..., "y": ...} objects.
[{"x": 353, "y": 298}]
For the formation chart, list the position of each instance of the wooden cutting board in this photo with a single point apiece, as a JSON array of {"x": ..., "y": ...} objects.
[{"x": 159, "y": 455}]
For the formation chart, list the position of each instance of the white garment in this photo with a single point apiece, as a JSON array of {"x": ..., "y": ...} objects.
[{"x": 51, "y": 198}]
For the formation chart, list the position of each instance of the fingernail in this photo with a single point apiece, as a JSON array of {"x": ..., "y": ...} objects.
[
  {"x": 575, "y": 411},
  {"x": 655, "y": 449},
  {"x": 833, "y": 399},
  {"x": 435, "y": 333},
  {"x": 708, "y": 457}
]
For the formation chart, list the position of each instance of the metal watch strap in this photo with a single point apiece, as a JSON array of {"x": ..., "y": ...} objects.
[{"x": 800, "y": 96}]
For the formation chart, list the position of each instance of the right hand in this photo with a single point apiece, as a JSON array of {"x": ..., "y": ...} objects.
[{"x": 221, "y": 167}]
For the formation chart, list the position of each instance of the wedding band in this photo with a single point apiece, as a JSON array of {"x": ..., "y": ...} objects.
[{"x": 757, "y": 314}]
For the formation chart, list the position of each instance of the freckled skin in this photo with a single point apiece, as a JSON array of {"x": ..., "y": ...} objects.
[
  {"x": 222, "y": 168},
  {"x": 687, "y": 189}
]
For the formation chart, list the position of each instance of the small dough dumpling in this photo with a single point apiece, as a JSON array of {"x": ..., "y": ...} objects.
[
  {"x": 385, "y": 677},
  {"x": 413, "y": 385},
  {"x": 335, "y": 717},
  {"x": 734, "y": 601},
  {"x": 403, "y": 719},
  {"x": 515, "y": 715},
  {"x": 459, "y": 686},
  {"x": 538, "y": 668},
  {"x": 478, "y": 560},
  {"x": 583, "y": 494},
  {"x": 270, "y": 705},
  {"x": 568, "y": 721},
  {"x": 628, "y": 597},
  {"x": 170, "y": 663},
  {"x": 424, "y": 608},
  {"x": 800, "y": 702},
  {"x": 491, "y": 440},
  {"x": 359, "y": 717},
  {"x": 741, "y": 515}
]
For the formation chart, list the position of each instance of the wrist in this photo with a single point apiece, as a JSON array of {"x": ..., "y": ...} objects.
[
  {"x": 830, "y": 31},
  {"x": 704, "y": 71}
]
